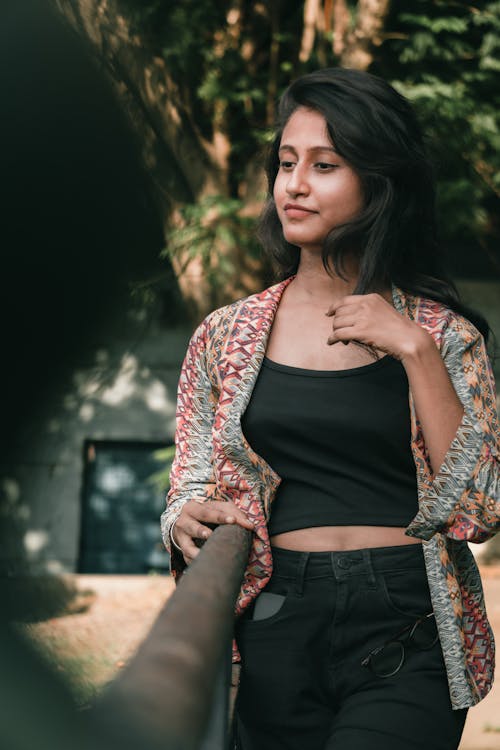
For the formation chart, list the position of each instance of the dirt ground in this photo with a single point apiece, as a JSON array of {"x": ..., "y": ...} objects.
[
  {"x": 89, "y": 647},
  {"x": 116, "y": 613}
]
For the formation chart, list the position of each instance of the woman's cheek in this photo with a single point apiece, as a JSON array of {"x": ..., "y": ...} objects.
[{"x": 276, "y": 196}]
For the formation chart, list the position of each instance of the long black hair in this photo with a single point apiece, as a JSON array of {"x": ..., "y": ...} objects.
[{"x": 375, "y": 129}]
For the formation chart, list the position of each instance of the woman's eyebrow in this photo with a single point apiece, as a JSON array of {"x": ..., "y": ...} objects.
[{"x": 286, "y": 147}]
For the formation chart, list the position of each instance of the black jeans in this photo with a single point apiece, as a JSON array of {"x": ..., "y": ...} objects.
[{"x": 302, "y": 683}]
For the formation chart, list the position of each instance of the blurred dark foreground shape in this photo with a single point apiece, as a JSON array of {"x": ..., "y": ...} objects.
[{"x": 174, "y": 695}]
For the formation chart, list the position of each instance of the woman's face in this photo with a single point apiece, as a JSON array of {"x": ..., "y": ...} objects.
[{"x": 315, "y": 189}]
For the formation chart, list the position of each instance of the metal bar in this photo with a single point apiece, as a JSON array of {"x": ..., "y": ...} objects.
[
  {"x": 163, "y": 699},
  {"x": 217, "y": 731}
]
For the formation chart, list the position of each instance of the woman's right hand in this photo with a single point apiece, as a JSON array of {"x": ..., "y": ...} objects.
[{"x": 190, "y": 524}]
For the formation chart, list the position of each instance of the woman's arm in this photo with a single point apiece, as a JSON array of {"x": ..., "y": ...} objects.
[
  {"x": 462, "y": 500},
  {"x": 454, "y": 396},
  {"x": 372, "y": 320},
  {"x": 192, "y": 480},
  {"x": 191, "y": 474},
  {"x": 437, "y": 406}
]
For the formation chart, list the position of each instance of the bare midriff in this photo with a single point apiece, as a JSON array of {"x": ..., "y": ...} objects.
[{"x": 340, "y": 538}]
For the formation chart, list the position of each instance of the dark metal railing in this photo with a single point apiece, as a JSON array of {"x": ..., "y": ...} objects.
[{"x": 174, "y": 694}]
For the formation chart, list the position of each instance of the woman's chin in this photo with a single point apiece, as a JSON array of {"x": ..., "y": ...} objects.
[{"x": 304, "y": 243}]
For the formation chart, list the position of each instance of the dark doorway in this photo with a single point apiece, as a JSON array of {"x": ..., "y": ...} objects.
[{"x": 120, "y": 528}]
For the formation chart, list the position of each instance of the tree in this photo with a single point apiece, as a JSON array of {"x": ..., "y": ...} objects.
[
  {"x": 444, "y": 56},
  {"x": 200, "y": 80}
]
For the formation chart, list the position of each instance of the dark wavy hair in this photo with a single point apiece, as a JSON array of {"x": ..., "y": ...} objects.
[{"x": 375, "y": 129}]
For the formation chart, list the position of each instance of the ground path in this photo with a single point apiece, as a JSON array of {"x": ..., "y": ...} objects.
[{"x": 89, "y": 648}]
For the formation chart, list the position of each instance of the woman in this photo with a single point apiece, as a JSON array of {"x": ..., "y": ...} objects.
[{"x": 346, "y": 415}]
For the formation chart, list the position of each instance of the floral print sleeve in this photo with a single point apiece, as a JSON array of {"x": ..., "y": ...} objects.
[
  {"x": 191, "y": 475},
  {"x": 462, "y": 500}
]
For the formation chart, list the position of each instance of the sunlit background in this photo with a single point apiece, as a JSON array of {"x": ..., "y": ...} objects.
[{"x": 132, "y": 139}]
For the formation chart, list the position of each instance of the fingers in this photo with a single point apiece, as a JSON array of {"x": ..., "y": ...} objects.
[
  {"x": 185, "y": 542},
  {"x": 190, "y": 524},
  {"x": 187, "y": 531},
  {"x": 350, "y": 317},
  {"x": 192, "y": 528},
  {"x": 343, "y": 320},
  {"x": 343, "y": 328},
  {"x": 218, "y": 512},
  {"x": 189, "y": 548},
  {"x": 343, "y": 325},
  {"x": 351, "y": 300},
  {"x": 342, "y": 335}
]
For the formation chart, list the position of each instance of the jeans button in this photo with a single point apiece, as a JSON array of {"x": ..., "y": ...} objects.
[{"x": 344, "y": 563}]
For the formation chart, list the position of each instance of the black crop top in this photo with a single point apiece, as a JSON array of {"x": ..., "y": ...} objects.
[{"x": 339, "y": 440}]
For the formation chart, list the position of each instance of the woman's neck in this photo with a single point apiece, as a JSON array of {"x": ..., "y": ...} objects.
[{"x": 313, "y": 283}]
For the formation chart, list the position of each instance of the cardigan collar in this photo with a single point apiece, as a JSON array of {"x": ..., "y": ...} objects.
[{"x": 252, "y": 328}]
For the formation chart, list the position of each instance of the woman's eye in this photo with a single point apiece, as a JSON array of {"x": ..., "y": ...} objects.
[
  {"x": 286, "y": 165},
  {"x": 324, "y": 166}
]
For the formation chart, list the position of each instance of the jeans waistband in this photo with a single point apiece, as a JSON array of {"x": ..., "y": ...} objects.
[{"x": 305, "y": 565}]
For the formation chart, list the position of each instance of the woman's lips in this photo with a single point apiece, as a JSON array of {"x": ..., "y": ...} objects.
[{"x": 294, "y": 211}]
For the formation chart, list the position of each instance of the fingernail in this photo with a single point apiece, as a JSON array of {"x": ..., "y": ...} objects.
[{"x": 229, "y": 519}]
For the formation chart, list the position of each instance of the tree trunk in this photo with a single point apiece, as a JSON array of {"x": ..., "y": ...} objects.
[
  {"x": 367, "y": 34},
  {"x": 354, "y": 46}
]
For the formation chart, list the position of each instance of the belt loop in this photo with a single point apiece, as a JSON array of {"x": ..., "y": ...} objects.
[
  {"x": 301, "y": 569},
  {"x": 367, "y": 559}
]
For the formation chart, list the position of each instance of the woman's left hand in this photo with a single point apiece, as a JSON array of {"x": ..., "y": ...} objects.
[{"x": 370, "y": 319}]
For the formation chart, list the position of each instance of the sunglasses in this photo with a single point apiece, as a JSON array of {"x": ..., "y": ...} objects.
[{"x": 387, "y": 660}]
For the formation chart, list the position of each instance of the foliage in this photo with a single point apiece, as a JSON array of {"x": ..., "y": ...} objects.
[
  {"x": 219, "y": 53},
  {"x": 210, "y": 230},
  {"x": 230, "y": 60},
  {"x": 161, "y": 479},
  {"x": 444, "y": 56}
]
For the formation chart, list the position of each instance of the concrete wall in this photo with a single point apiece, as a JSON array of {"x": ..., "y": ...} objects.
[{"x": 123, "y": 389}]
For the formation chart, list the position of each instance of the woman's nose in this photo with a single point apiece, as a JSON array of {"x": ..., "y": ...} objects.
[{"x": 297, "y": 183}]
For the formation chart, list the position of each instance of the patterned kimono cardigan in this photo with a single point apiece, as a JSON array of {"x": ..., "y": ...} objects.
[{"x": 459, "y": 504}]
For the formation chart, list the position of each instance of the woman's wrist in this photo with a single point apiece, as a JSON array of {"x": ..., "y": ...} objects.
[
  {"x": 172, "y": 538},
  {"x": 418, "y": 347}
]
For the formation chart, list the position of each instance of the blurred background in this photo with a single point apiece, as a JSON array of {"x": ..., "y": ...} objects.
[{"x": 132, "y": 134}]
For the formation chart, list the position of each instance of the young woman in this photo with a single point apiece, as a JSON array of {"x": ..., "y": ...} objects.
[{"x": 347, "y": 416}]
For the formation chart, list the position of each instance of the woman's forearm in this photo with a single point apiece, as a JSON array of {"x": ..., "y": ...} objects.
[{"x": 437, "y": 405}]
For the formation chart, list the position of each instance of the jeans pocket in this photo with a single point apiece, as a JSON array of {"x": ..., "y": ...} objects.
[
  {"x": 269, "y": 606},
  {"x": 406, "y": 591}
]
